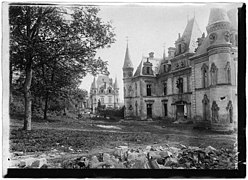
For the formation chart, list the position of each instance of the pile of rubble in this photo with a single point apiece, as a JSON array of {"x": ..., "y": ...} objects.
[{"x": 159, "y": 158}]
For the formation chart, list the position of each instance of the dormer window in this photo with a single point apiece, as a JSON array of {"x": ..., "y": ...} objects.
[
  {"x": 109, "y": 91},
  {"x": 165, "y": 69},
  {"x": 179, "y": 48},
  {"x": 147, "y": 70}
]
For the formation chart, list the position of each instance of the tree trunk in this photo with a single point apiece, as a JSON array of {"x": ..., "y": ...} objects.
[
  {"x": 27, "y": 98},
  {"x": 10, "y": 81},
  {"x": 46, "y": 106}
]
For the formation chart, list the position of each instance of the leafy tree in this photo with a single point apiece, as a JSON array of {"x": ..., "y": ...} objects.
[{"x": 55, "y": 40}]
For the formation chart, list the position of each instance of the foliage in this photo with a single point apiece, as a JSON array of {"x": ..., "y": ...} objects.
[
  {"x": 111, "y": 112},
  {"x": 52, "y": 48}
]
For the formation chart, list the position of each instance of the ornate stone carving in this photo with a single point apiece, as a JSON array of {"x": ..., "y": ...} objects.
[
  {"x": 205, "y": 99},
  {"x": 212, "y": 38},
  {"x": 215, "y": 112},
  {"x": 218, "y": 50},
  {"x": 227, "y": 36},
  {"x": 218, "y": 26},
  {"x": 183, "y": 47}
]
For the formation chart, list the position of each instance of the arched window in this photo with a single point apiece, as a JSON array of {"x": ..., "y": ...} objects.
[
  {"x": 109, "y": 90},
  {"x": 130, "y": 91},
  {"x": 228, "y": 72},
  {"x": 204, "y": 75},
  {"x": 165, "y": 88},
  {"x": 214, "y": 74}
]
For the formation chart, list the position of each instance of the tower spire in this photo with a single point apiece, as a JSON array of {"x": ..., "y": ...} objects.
[{"x": 127, "y": 61}]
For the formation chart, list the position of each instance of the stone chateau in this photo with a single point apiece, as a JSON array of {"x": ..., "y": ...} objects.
[
  {"x": 104, "y": 90},
  {"x": 198, "y": 79}
]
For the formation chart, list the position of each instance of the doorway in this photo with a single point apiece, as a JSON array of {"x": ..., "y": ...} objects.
[
  {"x": 165, "y": 110},
  {"x": 149, "y": 110},
  {"x": 180, "y": 111}
]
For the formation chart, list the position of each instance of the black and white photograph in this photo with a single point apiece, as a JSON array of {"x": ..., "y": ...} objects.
[{"x": 106, "y": 86}]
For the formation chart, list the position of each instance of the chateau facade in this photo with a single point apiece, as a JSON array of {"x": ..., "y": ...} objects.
[
  {"x": 198, "y": 79},
  {"x": 105, "y": 91}
]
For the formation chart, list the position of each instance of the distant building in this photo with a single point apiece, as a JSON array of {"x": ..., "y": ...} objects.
[
  {"x": 105, "y": 91},
  {"x": 197, "y": 80}
]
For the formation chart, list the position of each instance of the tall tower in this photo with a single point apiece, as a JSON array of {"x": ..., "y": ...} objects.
[
  {"x": 127, "y": 81},
  {"x": 116, "y": 94},
  {"x": 222, "y": 73},
  {"x": 93, "y": 92}
]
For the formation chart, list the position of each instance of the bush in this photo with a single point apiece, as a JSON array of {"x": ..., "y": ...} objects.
[{"x": 111, "y": 112}]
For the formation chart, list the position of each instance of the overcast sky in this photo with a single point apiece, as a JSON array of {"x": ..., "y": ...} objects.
[{"x": 148, "y": 27}]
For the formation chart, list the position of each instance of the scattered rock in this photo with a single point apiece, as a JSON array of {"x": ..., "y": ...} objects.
[{"x": 33, "y": 163}]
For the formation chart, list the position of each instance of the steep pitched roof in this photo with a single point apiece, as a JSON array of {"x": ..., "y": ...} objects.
[
  {"x": 155, "y": 66},
  {"x": 93, "y": 85},
  {"x": 101, "y": 79},
  {"x": 190, "y": 35},
  {"x": 127, "y": 61}
]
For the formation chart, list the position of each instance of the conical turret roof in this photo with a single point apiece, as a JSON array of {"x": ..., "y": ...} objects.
[
  {"x": 93, "y": 85},
  {"x": 217, "y": 15},
  {"x": 127, "y": 61}
]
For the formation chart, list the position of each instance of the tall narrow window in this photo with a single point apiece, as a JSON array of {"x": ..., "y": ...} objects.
[
  {"x": 165, "y": 110},
  {"x": 165, "y": 88},
  {"x": 179, "y": 48},
  {"x": 136, "y": 91},
  {"x": 102, "y": 100},
  {"x": 110, "y": 99},
  {"x": 228, "y": 72},
  {"x": 165, "y": 69},
  {"x": 180, "y": 85},
  {"x": 214, "y": 74},
  {"x": 148, "y": 89},
  {"x": 204, "y": 76},
  {"x": 148, "y": 70},
  {"x": 136, "y": 108}
]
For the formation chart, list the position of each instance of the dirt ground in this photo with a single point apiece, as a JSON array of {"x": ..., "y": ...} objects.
[{"x": 82, "y": 135}]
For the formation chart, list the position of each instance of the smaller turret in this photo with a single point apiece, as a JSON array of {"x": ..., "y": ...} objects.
[
  {"x": 93, "y": 86},
  {"x": 128, "y": 65}
]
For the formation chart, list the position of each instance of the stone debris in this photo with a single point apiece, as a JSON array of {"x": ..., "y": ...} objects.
[
  {"x": 33, "y": 163},
  {"x": 150, "y": 157}
]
